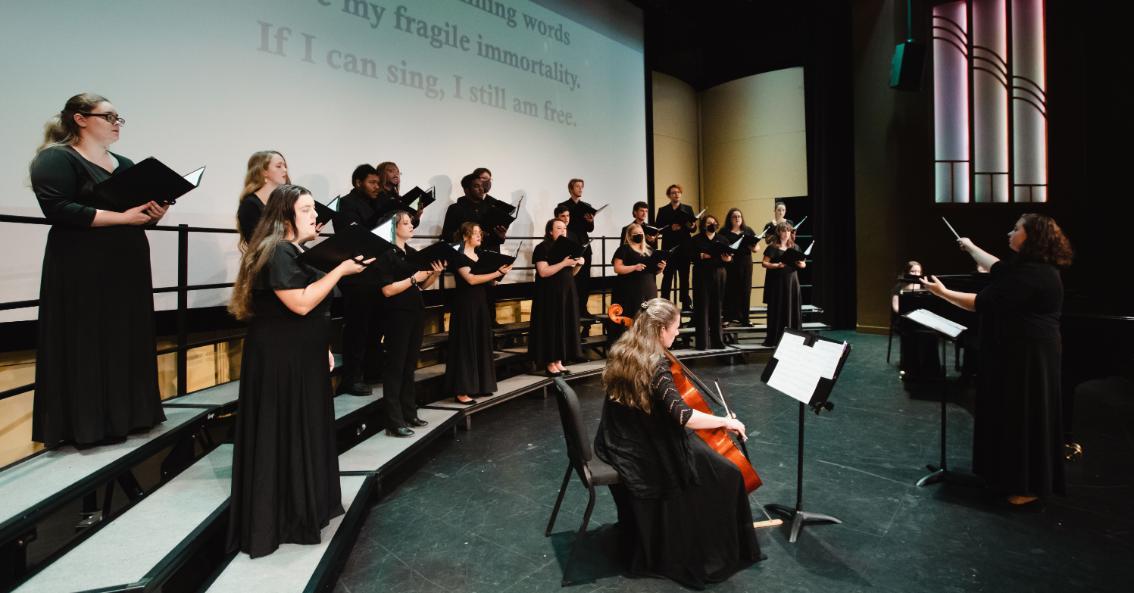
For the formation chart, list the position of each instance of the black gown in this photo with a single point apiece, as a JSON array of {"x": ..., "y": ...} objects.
[
  {"x": 708, "y": 292},
  {"x": 248, "y": 216},
  {"x": 769, "y": 237},
  {"x": 633, "y": 289},
  {"x": 738, "y": 280},
  {"x": 782, "y": 293},
  {"x": 285, "y": 469},
  {"x": 96, "y": 366},
  {"x": 469, "y": 366},
  {"x": 683, "y": 511},
  {"x": 403, "y": 327},
  {"x": 555, "y": 314},
  {"x": 1017, "y": 436}
]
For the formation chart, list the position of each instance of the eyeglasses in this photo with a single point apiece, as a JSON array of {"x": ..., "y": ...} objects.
[{"x": 111, "y": 118}]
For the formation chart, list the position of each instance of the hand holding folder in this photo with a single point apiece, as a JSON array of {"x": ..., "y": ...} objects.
[{"x": 148, "y": 180}]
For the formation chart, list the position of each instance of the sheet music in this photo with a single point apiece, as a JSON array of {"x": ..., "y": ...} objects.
[
  {"x": 195, "y": 176},
  {"x": 601, "y": 208},
  {"x": 736, "y": 245},
  {"x": 796, "y": 229},
  {"x": 799, "y": 367},
  {"x": 700, "y": 214},
  {"x": 936, "y": 322},
  {"x": 808, "y": 252}
]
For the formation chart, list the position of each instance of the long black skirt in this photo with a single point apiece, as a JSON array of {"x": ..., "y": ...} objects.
[
  {"x": 469, "y": 366},
  {"x": 696, "y": 536},
  {"x": 285, "y": 470},
  {"x": 96, "y": 366}
]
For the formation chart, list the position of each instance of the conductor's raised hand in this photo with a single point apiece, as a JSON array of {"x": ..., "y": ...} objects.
[{"x": 966, "y": 244}]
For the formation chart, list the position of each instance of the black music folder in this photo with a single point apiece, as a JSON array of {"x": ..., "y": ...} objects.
[
  {"x": 417, "y": 198},
  {"x": 649, "y": 230},
  {"x": 791, "y": 256},
  {"x": 348, "y": 243},
  {"x": 324, "y": 213},
  {"x": 490, "y": 261},
  {"x": 588, "y": 209},
  {"x": 562, "y": 249},
  {"x": 500, "y": 213},
  {"x": 681, "y": 216},
  {"x": 441, "y": 251},
  {"x": 148, "y": 180}
]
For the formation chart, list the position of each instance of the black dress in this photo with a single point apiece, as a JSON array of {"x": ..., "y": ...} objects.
[
  {"x": 708, "y": 292},
  {"x": 782, "y": 293},
  {"x": 919, "y": 354},
  {"x": 633, "y": 289},
  {"x": 683, "y": 511},
  {"x": 769, "y": 237},
  {"x": 363, "y": 303},
  {"x": 738, "y": 280},
  {"x": 403, "y": 327},
  {"x": 469, "y": 367},
  {"x": 285, "y": 469},
  {"x": 96, "y": 367},
  {"x": 248, "y": 216},
  {"x": 1017, "y": 437},
  {"x": 678, "y": 263},
  {"x": 555, "y": 314}
]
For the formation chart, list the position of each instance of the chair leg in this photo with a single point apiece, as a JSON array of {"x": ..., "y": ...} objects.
[
  {"x": 889, "y": 342},
  {"x": 558, "y": 501},
  {"x": 579, "y": 536}
]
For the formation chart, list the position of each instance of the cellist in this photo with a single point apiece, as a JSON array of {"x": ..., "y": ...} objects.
[{"x": 683, "y": 508}]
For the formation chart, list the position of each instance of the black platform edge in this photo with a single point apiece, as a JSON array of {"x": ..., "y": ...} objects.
[
  {"x": 405, "y": 454},
  {"x": 13, "y": 527},
  {"x": 342, "y": 543}
]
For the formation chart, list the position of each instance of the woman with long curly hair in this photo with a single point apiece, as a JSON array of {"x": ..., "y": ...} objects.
[
  {"x": 285, "y": 471},
  {"x": 683, "y": 510},
  {"x": 1017, "y": 436}
]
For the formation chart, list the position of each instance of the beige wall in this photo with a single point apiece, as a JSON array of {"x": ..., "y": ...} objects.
[
  {"x": 676, "y": 139},
  {"x": 753, "y": 147}
]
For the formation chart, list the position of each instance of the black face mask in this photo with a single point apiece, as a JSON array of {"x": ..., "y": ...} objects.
[
  {"x": 637, "y": 238},
  {"x": 710, "y": 228}
]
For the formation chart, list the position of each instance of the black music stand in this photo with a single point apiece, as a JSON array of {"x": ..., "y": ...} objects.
[
  {"x": 804, "y": 367},
  {"x": 947, "y": 332}
]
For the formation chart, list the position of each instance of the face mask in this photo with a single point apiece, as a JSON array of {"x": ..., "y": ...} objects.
[
  {"x": 637, "y": 238},
  {"x": 711, "y": 228}
]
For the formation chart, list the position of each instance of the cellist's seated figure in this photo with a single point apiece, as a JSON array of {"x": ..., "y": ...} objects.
[{"x": 683, "y": 508}]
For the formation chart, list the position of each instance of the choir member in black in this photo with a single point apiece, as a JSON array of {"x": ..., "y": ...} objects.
[
  {"x": 362, "y": 300},
  {"x": 390, "y": 181},
  {"x": 781, "y": 285},
  {"x": 554, "y": 335},
  {"x": 267, "y": 170},
  {"x": 496, "y": 234},
  {"x": 640, "y": 212},
  {"x": 1017, "y": 437},
  {"x": 637, "y": 280},
  {"x": 285, "y": 471},
  {"x": 708, "y": 283},
  {"x": 683, "y": 511},
  {"x": 471, "y": 207},
  {"x": 469, "y": 368},
  {"x": 738, "y": 278},
  {"x": 402, "y": 284},
  {"x": 779, "y": 214},
  {"x": 581, "y": 224},
  {"x": 96, "y": 371},
  {"x": 675, "y": 233},
  {"x": 917, "y": 345}
]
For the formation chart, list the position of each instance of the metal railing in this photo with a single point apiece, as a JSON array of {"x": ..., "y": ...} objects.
[{"x": 183, "y": 288}]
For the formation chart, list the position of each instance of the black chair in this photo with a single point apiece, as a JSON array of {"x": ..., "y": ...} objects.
[{"x": 580, "y": 458}]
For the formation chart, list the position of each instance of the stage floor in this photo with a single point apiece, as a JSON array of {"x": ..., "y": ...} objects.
[{"x": 470, "y": 515}]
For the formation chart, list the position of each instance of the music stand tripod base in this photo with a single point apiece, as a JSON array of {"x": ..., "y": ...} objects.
[{"x": 799, "y": 518}]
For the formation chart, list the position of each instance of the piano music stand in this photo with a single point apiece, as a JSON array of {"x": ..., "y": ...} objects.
[
  {"x": 794, "y": 359},
  {"x": 947, "y": 332}
]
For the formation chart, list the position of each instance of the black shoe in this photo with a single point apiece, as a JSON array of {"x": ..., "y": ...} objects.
[
  {"x": 358, "y": 388},
  {"x": 400, "y": 431},
  {"x": 565, "y": 372},
  {"x": 418, "y": 422},
  {"x": 468, "y": 402}
]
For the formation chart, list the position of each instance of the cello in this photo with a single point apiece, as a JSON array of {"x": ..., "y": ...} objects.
[{"x": 690, "y": 387}]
